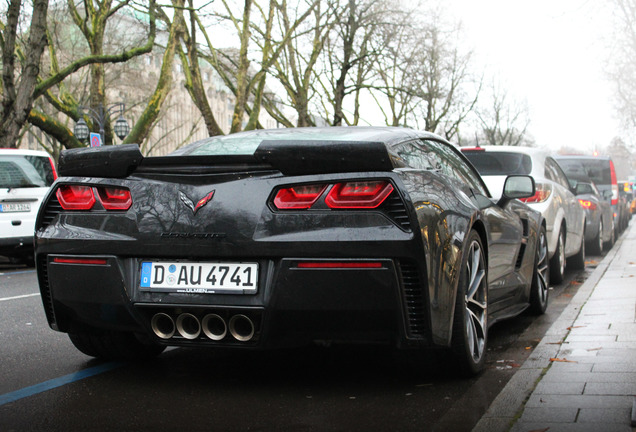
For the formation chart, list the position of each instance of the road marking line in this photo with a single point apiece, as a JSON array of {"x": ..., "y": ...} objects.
[
  {"x": 17, "y": 272},
  {"x": 57, "y": 382},
  {"x": 18, "y": 297}
]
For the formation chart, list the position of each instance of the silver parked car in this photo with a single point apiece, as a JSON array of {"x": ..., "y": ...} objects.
[{"x": 554, "y": 198}]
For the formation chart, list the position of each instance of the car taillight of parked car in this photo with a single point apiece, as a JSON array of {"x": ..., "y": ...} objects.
[
  {"x": 542, "y": 193},
  {"x": 586, "y": 204},
  {"x": 79, "y": 197},
  {"x": 614, "y": 184},
  {"x": 365, "y": 194}
]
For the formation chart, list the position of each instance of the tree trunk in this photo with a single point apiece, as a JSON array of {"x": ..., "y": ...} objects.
[{"x": 17, "y": 103}]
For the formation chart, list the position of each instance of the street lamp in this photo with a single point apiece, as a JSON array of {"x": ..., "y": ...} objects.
[{"x": 101, "y": 115}]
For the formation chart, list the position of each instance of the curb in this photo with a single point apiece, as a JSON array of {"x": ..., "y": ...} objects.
[{"x": 508, "y": 406}]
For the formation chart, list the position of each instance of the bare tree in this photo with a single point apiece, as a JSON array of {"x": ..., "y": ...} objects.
[
  {"x": 622, "y": 60},
  {"x": 504, "y": 121},
  {"x": 19, "y": 80}
]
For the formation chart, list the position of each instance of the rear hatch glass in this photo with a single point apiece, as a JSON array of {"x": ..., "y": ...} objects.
[
  {"x": 25, "y": 171},
  {"x": 597, "y": 169},
  {"x": 500, "y": 163}
]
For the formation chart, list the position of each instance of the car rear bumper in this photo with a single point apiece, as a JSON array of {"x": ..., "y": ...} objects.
[
  {"x": 16, "y": 246},
  {"x": 292, "y": 305}
]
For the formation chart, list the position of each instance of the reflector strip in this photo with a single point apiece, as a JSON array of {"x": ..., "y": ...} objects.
[
  {"x": 90, "y": 261},
  {"x": 337, "y": 265}
]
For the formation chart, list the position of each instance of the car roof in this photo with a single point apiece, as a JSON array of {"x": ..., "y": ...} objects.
[
  {"x": 384, "y": 134},
  {"x": 530, "y": 151},
  {"x": 21, "y": 152}
]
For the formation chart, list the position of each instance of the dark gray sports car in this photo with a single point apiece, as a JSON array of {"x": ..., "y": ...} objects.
[{"x": 283, "y": 237}]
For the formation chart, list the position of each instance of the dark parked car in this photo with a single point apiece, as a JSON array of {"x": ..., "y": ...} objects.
[
  {"x": 600, "y": 169},
  {"x": 599, "y": 221},
  {"x": 283, "y": 237}
]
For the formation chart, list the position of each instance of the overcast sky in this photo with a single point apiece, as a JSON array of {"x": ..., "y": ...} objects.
[{"x": 553, "y": 54}]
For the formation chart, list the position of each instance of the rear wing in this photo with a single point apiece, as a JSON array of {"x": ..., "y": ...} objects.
[{"x": 288, "y": 157}]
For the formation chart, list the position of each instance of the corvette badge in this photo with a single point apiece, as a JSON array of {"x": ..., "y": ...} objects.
[{"x": 195, "y": 208}]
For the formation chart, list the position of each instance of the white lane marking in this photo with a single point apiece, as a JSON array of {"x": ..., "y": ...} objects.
[{"x": 18, "y": 297}]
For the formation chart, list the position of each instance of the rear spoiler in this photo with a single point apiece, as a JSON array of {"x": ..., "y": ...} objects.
[
  {"x": 104, "y": 161},
  {"x": 288, "y": 157},
  {"x": 323, "y": 157}
]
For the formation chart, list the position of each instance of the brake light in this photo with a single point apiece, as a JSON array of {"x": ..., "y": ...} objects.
[
  {"x": 542, "y": 193},
  {"x": 472, "y": 149},
  {"x": 363, "y": 194},
  {"x": 52, "y": 162},
  {"x": 85, "y": 261},
  {"x": 75, "y": 197},
  {"x": 298, "y": 197},
  {"x": 78, "y": 197},
  {"x": 115, "y": 198},
  {"x": 339, "y": 265},
  {"x": 614, "y": 184},
  {"x": 587, "y": 204}
]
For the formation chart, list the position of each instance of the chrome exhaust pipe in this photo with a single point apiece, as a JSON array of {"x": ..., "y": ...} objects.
[
  {"x": 241, "y": 328},
  {"x": 188, "y": 326},
  {"x": 214, "y": 327},
  {"x": 162, "y": 325}
]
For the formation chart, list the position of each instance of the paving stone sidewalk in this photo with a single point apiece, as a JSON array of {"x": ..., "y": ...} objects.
[{"x": 582, "y": 375}]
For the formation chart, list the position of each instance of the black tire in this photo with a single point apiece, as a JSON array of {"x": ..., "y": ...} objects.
[
  {"x": 557, "y": 262},
  {"x": 470, "y": 322},
  {"x": 540, "y": 286},
  {"x": 577, "y": 261},
  {"x": 596, "y": 245},
  {"x": 110, "y": 345}
]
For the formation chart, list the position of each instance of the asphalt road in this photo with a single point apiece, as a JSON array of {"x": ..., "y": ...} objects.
[{"x": 47, "y": 385}]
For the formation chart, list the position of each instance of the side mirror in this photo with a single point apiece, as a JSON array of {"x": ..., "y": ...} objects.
[{"x": 517, "y": 186}]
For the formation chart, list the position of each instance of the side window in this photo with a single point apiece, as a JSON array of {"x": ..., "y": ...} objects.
[
  {"x": 454, "y": 166},
  {"x": 415, "y": 156}
]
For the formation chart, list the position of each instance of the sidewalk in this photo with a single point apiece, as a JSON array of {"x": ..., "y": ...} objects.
[{"x": 582, "y": 375}]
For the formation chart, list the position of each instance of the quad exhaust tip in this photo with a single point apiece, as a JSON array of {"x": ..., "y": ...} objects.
[
  {"x": 241, "y": 328},
  {"x": 213, "y": 326},
  {"x": 188, "y": 326},
  {"x": 163, "y": 325}
]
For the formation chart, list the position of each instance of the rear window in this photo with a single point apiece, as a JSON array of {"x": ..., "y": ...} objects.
[
  {"x": 19, "y": 171},
  {"x": 246, "y": 143},
  {"x": 500, "y": 163},
  {"x": 598, "y": 170}
]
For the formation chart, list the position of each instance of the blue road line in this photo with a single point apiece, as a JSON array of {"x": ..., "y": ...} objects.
[{"x": 57, "y": 382}]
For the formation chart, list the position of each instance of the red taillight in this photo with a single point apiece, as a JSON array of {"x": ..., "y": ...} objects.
[
  {"x": 614, "y": 184},
  {"x": 472, "y": 149},
  {"x": 339, "y": 265},
  {"x": 362, "y": 194},
  {"x": 75, "y": 197},
  {"x": 91, "y": 261},
  {"x": 52, "y": 162},
  {"x": 542, "y": 193},
  {"x": 587, "y": 204},
  {"x": 115, "y": 198},
  {"x": 298, "y": 197}
]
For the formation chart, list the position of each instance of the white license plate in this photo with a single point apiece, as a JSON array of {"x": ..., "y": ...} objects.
[
  {"x": 13, "y": 208},
  {"x": 199, "y": 278}
]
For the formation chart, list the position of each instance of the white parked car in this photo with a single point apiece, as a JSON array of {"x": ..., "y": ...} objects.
[
  {"x": 565, "y": 219},
  {"x": 25, "y": 177}
]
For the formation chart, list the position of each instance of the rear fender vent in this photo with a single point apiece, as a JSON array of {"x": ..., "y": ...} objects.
[
  {"x": 45, "y": 290},
  {"x": 52, "y": 209},
  {"x": 394, "y": 207},
  {"x": 413, "y": 300}
]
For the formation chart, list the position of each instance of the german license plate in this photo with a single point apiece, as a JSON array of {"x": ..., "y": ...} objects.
[
  {"x": 199, "y": 278},
  {"x": 15, "y": 207}
]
